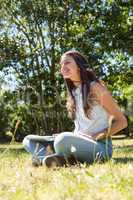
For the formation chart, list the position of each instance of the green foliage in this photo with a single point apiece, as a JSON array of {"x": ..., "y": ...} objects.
[
  {"x": 3, "y": 120},
  {"x": 33, "y": 118},
  {"x": 128, "y": 92}
]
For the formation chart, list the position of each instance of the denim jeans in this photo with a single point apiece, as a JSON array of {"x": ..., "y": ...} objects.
[{"x": 67, "y": 144}]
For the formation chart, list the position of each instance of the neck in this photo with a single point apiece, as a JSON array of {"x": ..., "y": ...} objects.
[{"x": 77, "y": 83}]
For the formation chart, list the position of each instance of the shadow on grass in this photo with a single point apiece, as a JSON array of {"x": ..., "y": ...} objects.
[
  {"x": 126, "y": 158},
  {"x": 122, "y": 137},
  {"x": 127, "y": 148},
  {"x": 123, "y": 160},
  {"x": 12, "y": 151}
]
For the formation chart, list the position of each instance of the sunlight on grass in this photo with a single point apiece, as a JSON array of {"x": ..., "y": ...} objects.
[{"x": 111, "y": 180}]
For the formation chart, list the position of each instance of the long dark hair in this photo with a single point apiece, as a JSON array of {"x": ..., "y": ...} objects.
[{"x": 87, "y": 76}]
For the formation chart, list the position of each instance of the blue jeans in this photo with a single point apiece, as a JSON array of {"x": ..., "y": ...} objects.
[{"x": 67, "y": 144}]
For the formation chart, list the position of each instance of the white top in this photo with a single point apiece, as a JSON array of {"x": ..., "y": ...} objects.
[{"x": 98, "y": 117}]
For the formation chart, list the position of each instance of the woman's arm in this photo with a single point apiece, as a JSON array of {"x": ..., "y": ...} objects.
[{"x": 107, "y": 101}]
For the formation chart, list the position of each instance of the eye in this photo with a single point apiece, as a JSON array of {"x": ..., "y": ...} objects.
[{"x": 67, "y": 62}]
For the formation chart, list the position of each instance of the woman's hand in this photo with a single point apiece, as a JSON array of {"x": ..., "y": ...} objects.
[
  {"x": 95, "y": 136},
  {"x": 98, "y": 136}
]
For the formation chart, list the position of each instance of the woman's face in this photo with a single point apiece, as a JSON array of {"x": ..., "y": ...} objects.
[{"x": 69, "y": 68}]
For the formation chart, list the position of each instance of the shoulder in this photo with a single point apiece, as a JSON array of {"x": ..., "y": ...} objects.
[
  {"x": 101, "y": 92},
  {"x": 98, "y": 87}
]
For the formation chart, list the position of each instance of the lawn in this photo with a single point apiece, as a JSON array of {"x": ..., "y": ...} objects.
[{"x": 112, "y": 180}]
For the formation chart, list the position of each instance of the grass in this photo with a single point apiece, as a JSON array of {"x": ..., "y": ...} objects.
[{"x": 112, "y": 180}]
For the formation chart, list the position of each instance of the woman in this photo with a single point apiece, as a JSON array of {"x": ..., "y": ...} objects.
[{"x": 92, "y": 108}]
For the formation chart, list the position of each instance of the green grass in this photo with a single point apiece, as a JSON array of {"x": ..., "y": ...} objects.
[{"x": 111, "y": 180}]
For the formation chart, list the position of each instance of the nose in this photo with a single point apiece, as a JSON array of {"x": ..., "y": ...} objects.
[{"x": 63, "y": 67}]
